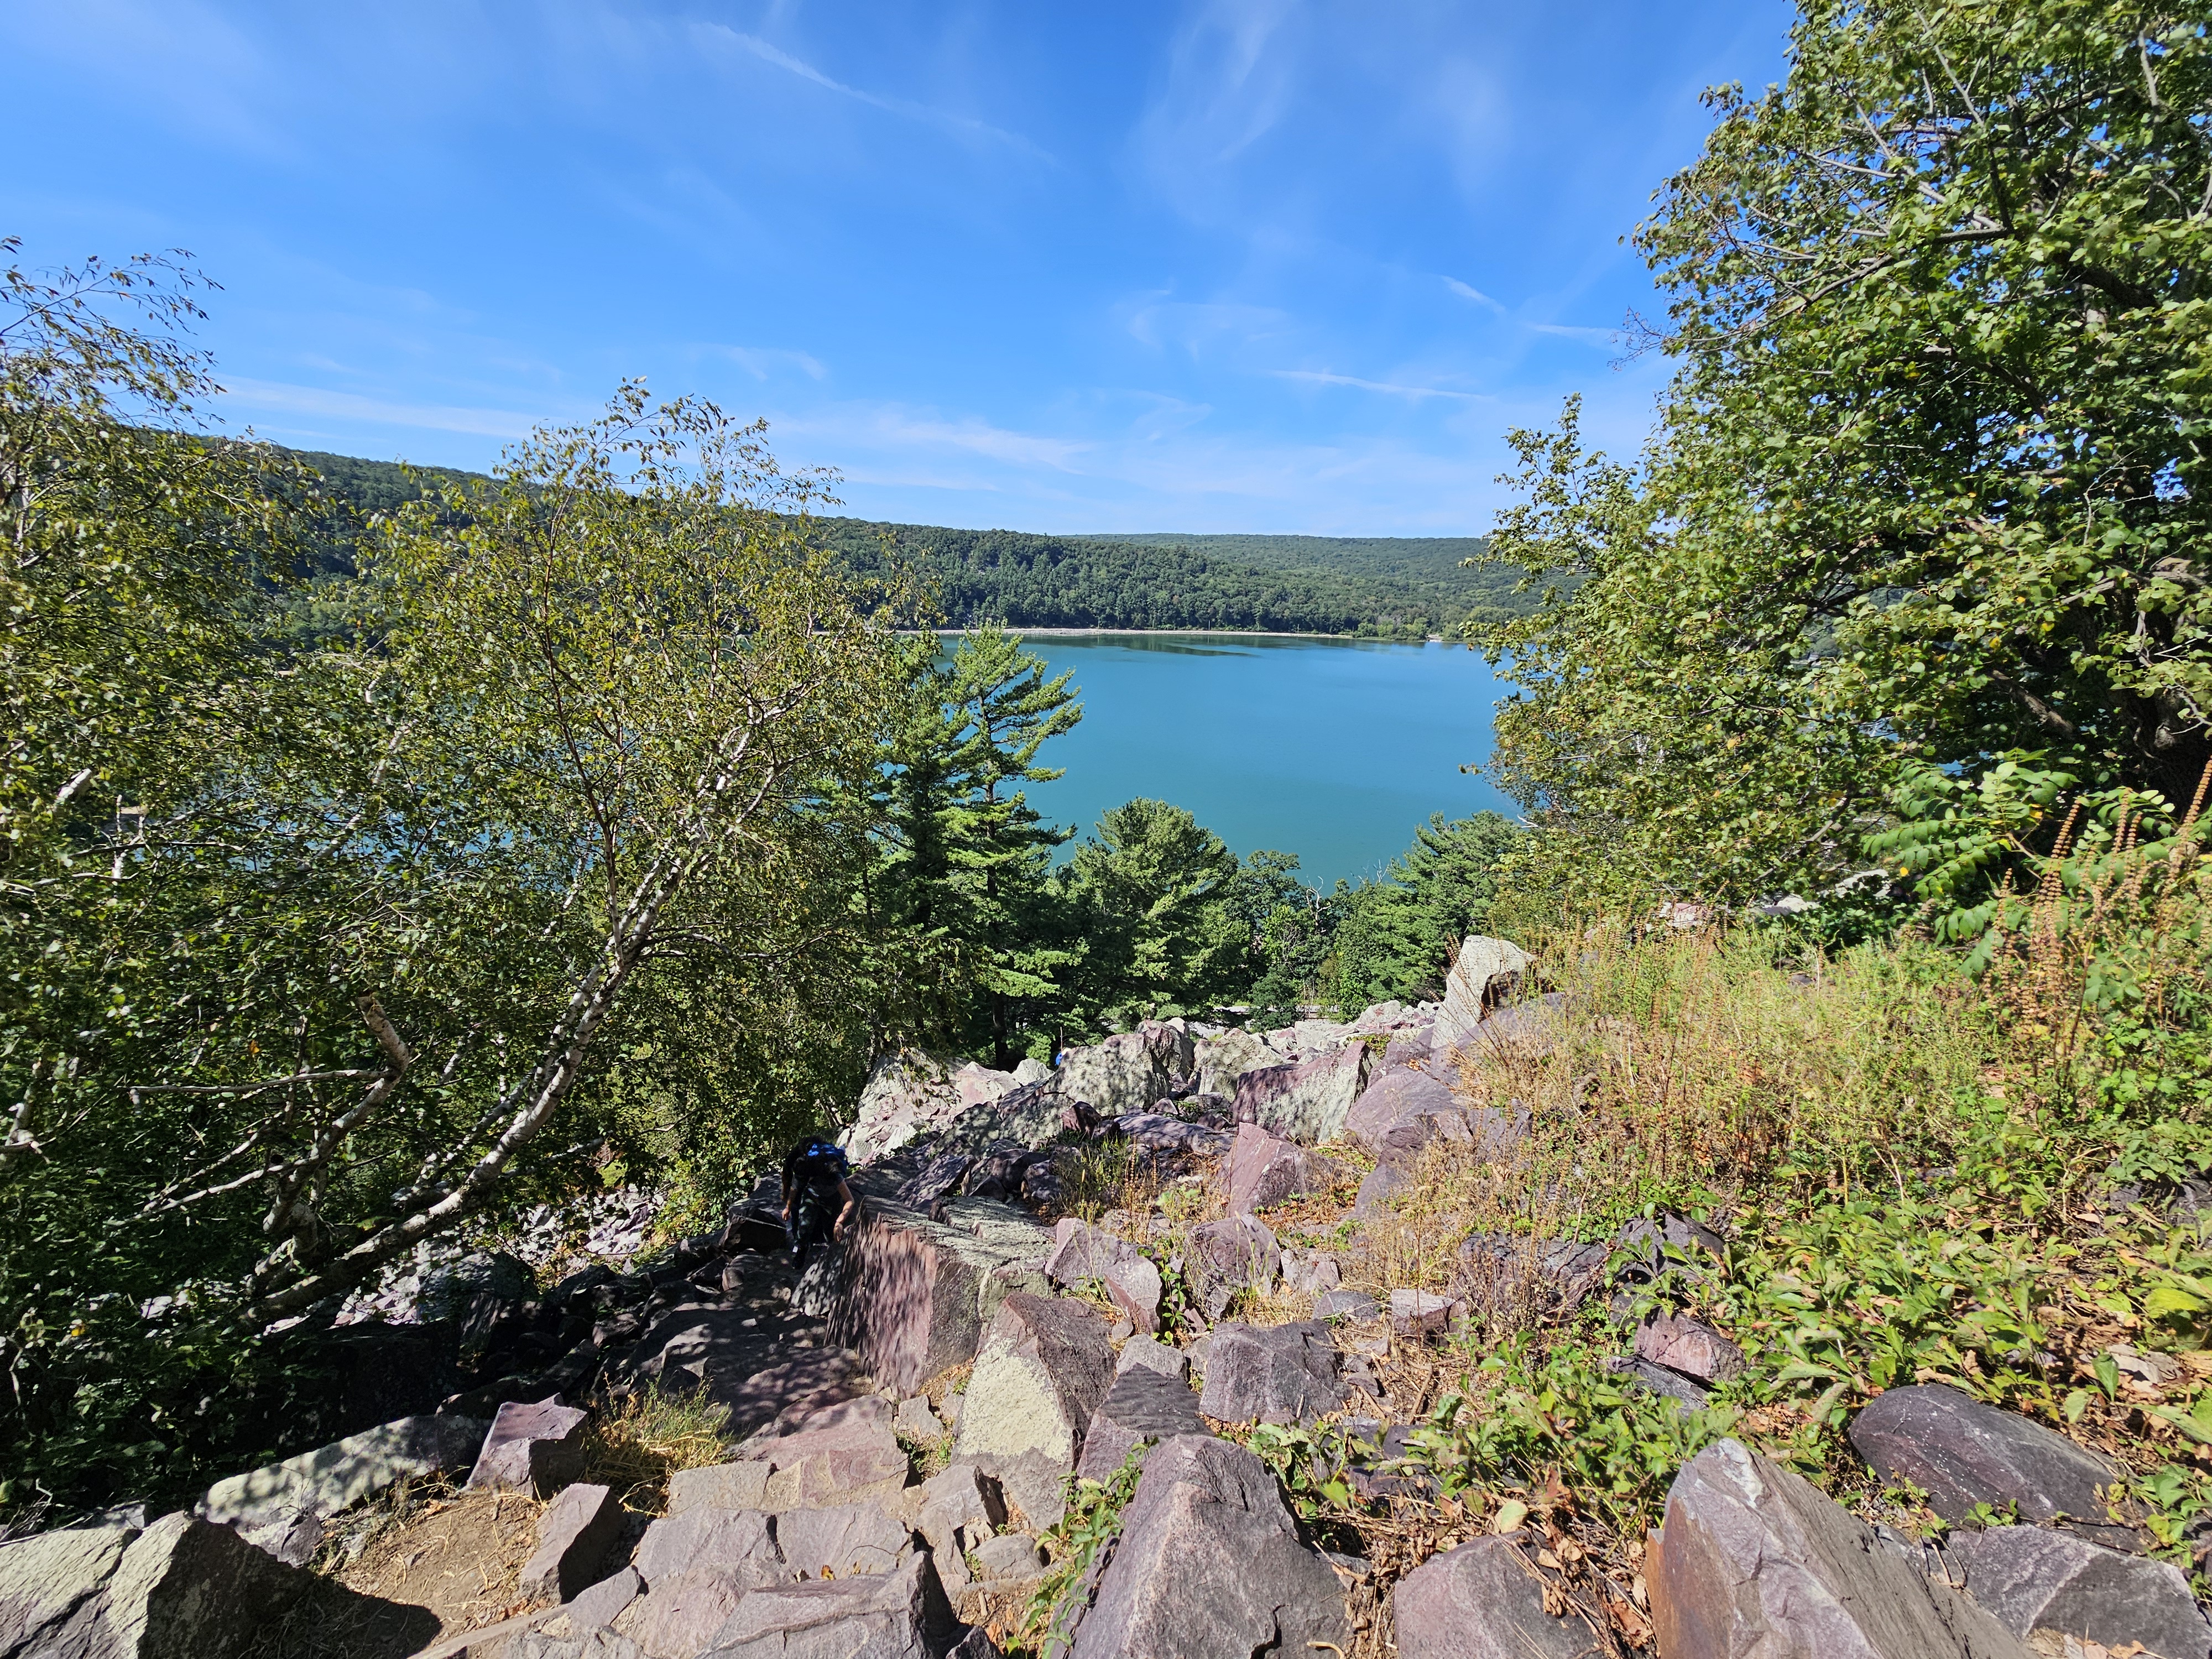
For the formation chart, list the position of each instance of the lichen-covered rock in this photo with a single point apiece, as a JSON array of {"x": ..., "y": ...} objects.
[
  {"x": 1223, "y": 1058},
  {"x": 2037, "y": 1581},
  {"x": 1128, "y": 1071},
  {"x": 1482, "y": 1602},
  {"x": 1754, "y": 1563},
  {"x": 1308, "y": 1101},
  {"x": 1962, "y": 1453},
  {"x": 1042, "y": 1369},
  {"x": 281, "y": 1508},
  {"x": 48, "y": 1577},
  {"x": 1484, "y": 970},
  {"x": 1209, "y": 1563}
]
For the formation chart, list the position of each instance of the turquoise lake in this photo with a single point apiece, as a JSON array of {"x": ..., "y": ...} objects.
[{"x": 1336, "y": 751}]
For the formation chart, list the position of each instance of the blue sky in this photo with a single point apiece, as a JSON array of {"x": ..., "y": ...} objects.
[{"x": 1254, "y": 266}]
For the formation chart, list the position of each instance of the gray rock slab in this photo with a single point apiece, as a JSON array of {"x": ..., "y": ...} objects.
[
  {"x": 915, "y": 1417},
  {"x": 47, "y": 1576},
  {"x": 1012, "y": 1555},
  {"x": 602, "y": 1603},
  {"x": 1391, "y": 1098},
  {"x": 741, "y": 1486},
  {"x": 840, "y": 1542},
  {"x": 1308, "y": 1101},
  {"x": 1143, "y": 1406},
  {"x": 532, "y": 1448},
  {"x": 280, "y": 1508},
  {"x": 843, "y": 1454},
  {"x": 1273, "y": 1374},
  {"x": 1962, "y": 1453},
  {"x": 1422, "y": 1313},
  {"x": 894, "y": 1615},
  {"x": 1209, "y": 1563},
  {"x": 1482, "y": 1601},
  {"x": 575, "y": 1533},
  {"x": 1754, "y": 1562},
  {"x": 678, "y": 1617},
  {"x": 2035, "y": 1579},
  {"x": 1346, "y": 1305},
  {"x": 1154, "y": 1356},
  {"x": 739, "y": 1542}
]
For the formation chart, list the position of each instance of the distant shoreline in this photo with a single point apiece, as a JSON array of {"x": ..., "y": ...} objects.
[{"x": 1203, "y": 633}]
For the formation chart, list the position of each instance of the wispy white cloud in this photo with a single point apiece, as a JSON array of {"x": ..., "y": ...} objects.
[
  {"x": 769, "y": 53},
  {"x": 1394, "y": 388},
  {"x": 761, "y": 362},
  {"x": 1603, "y": 336},
  {"x": 1468, "y": 291},
  {"x": 1192, "y": 324},
  {"x": 245, "y": 396}
]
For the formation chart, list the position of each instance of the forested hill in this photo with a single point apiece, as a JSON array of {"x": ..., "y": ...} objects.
[{"x": 1376, "y": 586}]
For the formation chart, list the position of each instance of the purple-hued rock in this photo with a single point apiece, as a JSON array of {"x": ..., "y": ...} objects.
[
  {"x": 1221, "y": 1258},
  {"x": 1690, "y": 1346},
  {"x": 1272, "y": 1374},
  {"x": 1409, "y": 1045},
  {"x": 2035, "y": 1579},
  {"x": 844, "y": 1454},
  {"x": 1209, "y": 1563},
  {"x": 1081, "y": 1251},
  {"x": 1308, "y": 1101},
  {"x": 1346, "y": 1305},
  {"x": 842, "y": 1542},
  {"x": 1754, "y": 1562},
  {"x": 1143, "y": 1405},
  {"x": 1543, "y": 1275},
  {"x": 1392, "y": 1097},
  {"x": 573, "y": 1535},
  {"x": 602, "y": 1603},
  {"x": 1263, "y": 1171},
  {"x": 1962, "y": 1453},
  {"x": 532, "y": 1448},
  {"x": 1482, "y": 1601}
]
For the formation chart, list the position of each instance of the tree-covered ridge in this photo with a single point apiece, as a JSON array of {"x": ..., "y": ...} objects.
[{"x": 1373, "y": 586}]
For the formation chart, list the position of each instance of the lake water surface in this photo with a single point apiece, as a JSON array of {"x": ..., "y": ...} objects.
[{"x": 1336, "y": 751}]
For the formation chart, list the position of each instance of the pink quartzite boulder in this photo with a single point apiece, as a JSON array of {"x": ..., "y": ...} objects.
[
  {"x": 537, "y": 1449},
  {"x": 1209, "y": 1563},
  {"x": 1690, "y": 1346},
  {"x": 1754, "y": 1562},
  {"x": 1143, "y": 1406},
  {"x": 1391, "y": 1098},
  {"x": 1264, "y": 1170},
  {"x": 1482, "y": 1601},
  {"x": 1308, "y": 1103},
  {"x": 895, "y": 1615},
  {"x": 1272, "y": 1374},
  {"x": 573, "y": 1535}
]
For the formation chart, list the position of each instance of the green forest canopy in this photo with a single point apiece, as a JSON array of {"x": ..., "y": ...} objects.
[{"x": 1399, "y": 586}]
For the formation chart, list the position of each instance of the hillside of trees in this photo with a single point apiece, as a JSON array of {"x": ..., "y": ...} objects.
[{"x": 1373, "y": 586}]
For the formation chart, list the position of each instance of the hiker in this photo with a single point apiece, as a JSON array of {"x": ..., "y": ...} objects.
[{"x": 818, "y": 1201}]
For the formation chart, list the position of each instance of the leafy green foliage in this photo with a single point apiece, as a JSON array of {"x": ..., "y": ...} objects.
[
  {"x": 1091, "y": 1523},
  {"x": 1930, "y": 482}
]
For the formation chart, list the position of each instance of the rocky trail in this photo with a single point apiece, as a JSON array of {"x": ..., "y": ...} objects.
[{"x": 903, "y": 1437}]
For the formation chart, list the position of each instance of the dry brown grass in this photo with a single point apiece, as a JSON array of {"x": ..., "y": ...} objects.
[{"x": 634, "y": 1446}]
